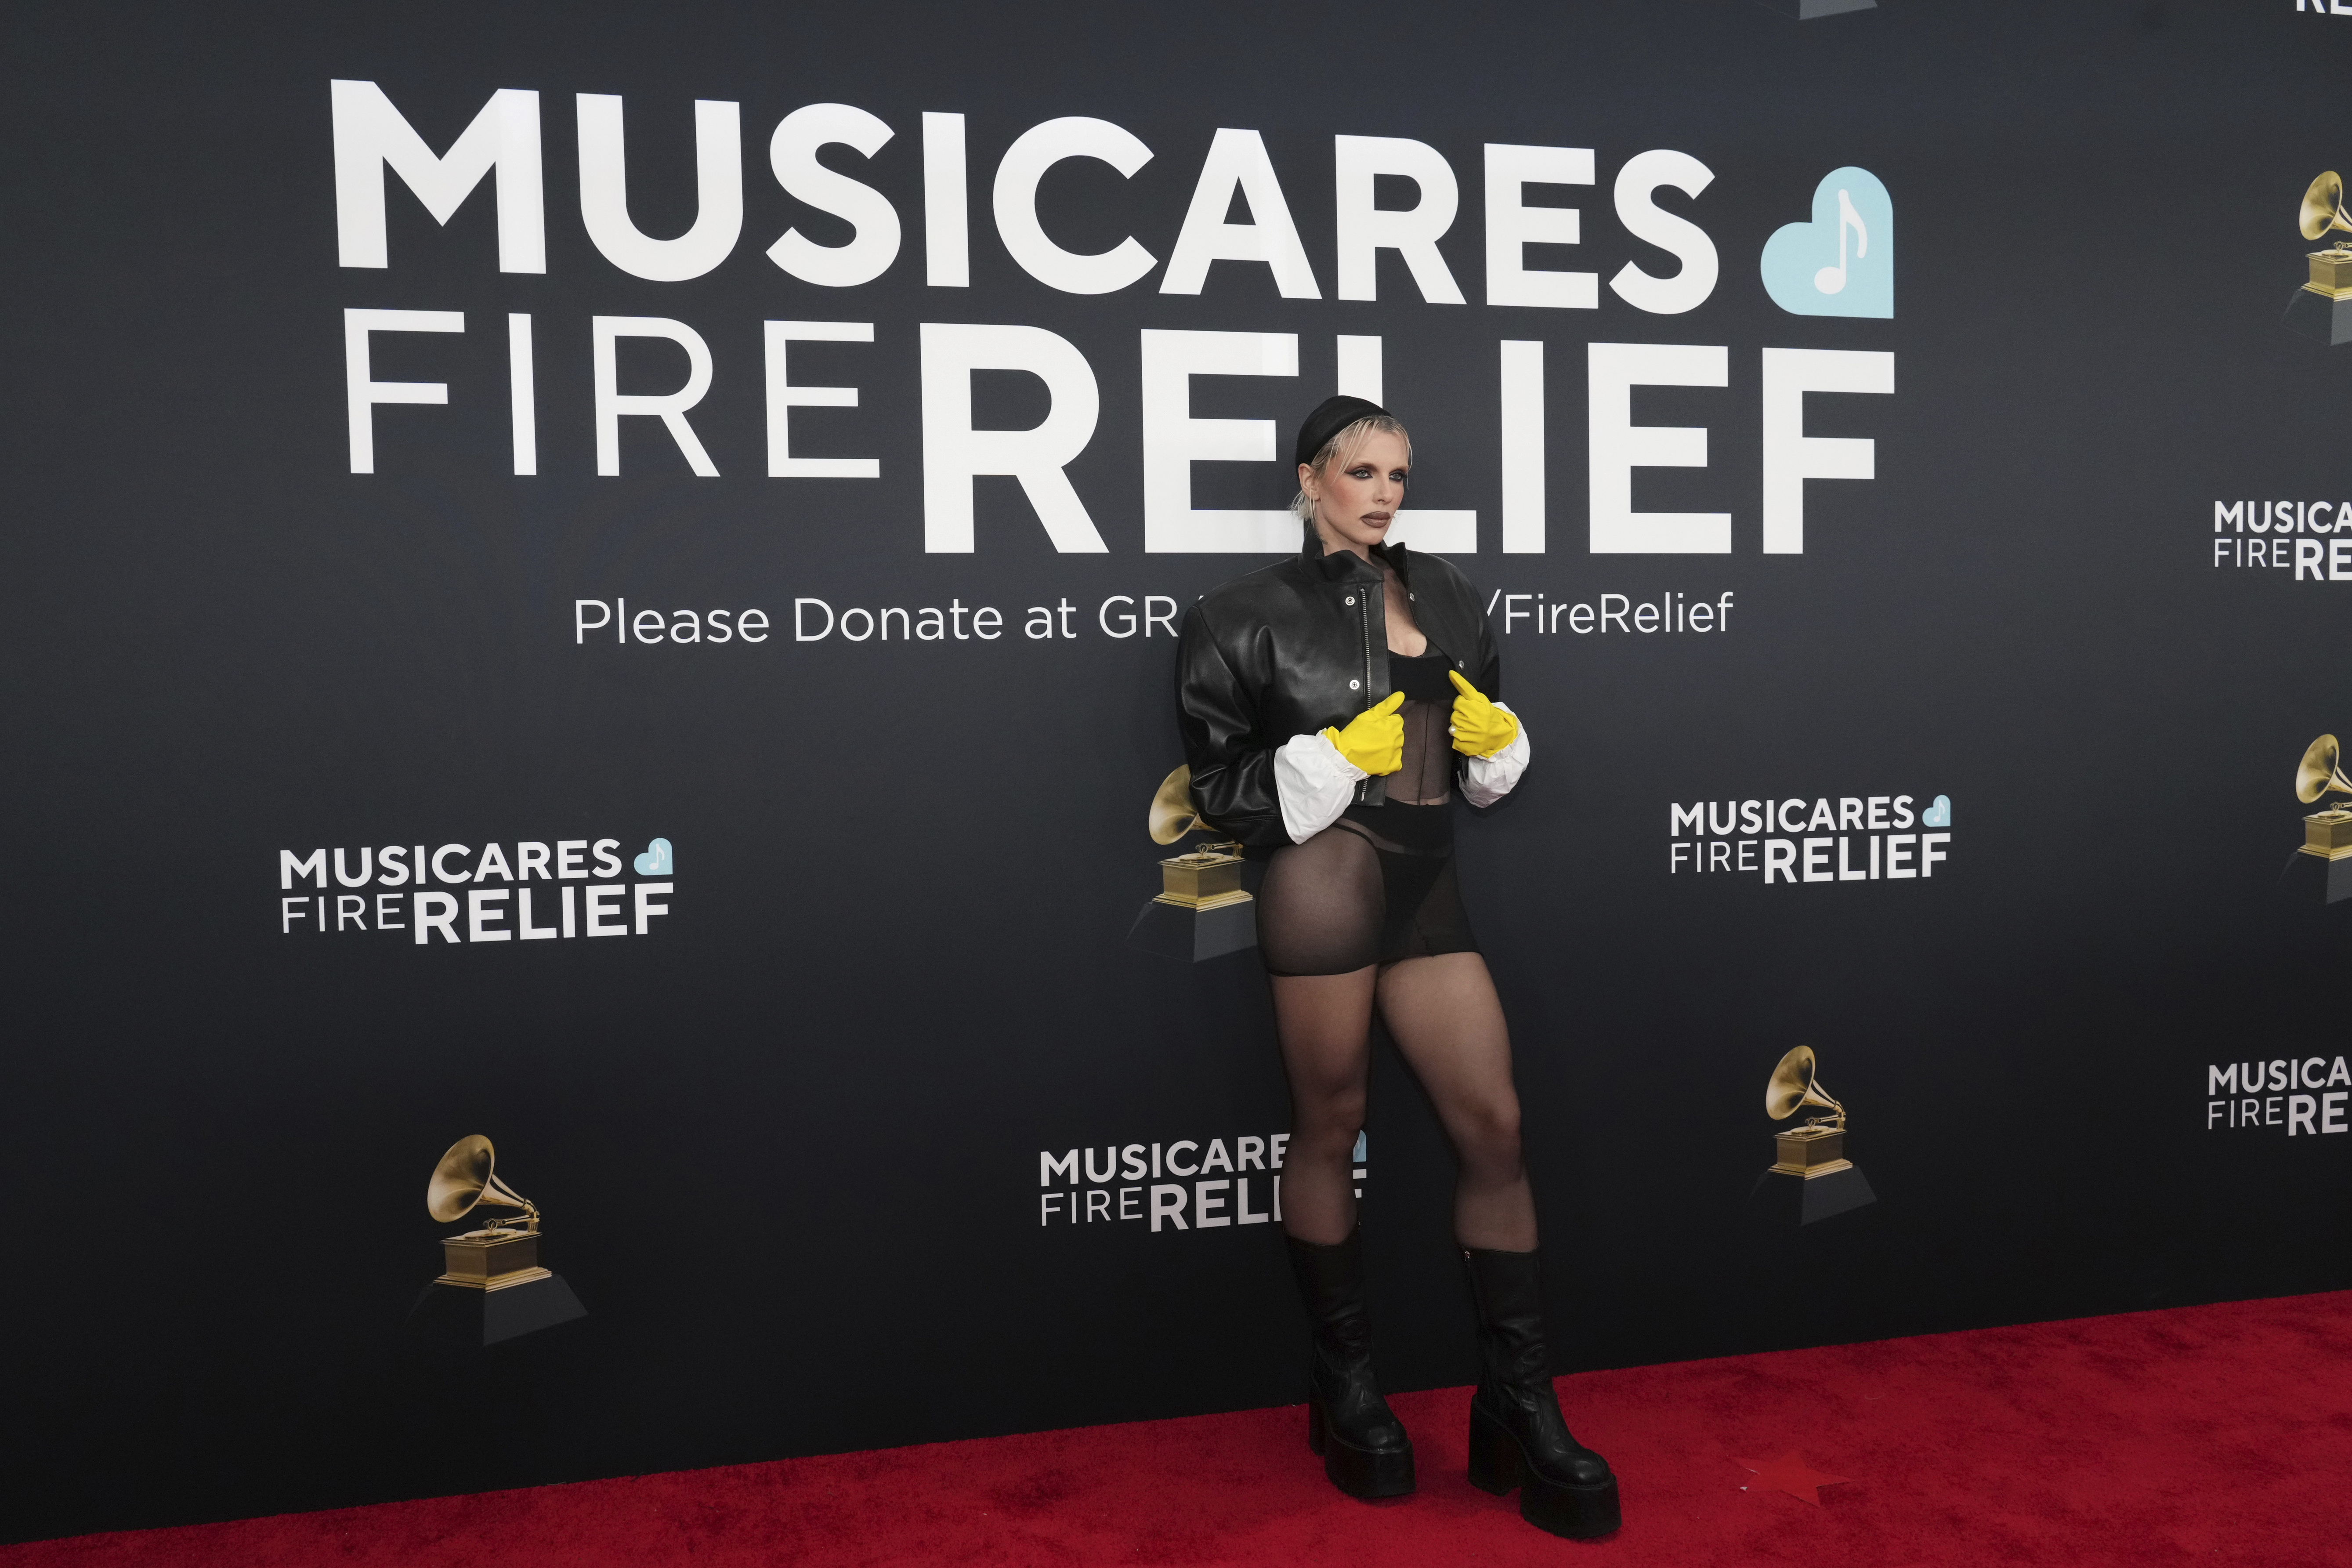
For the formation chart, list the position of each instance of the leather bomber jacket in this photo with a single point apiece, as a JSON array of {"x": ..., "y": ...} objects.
[{"x": 1300, "y": 645}]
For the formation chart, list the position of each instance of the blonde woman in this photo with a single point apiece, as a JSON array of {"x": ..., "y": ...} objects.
[{"x": 1332, "y": 706}]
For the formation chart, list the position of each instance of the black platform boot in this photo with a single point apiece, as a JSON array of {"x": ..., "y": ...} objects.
[
  {"x": 1364, "y": 1448},
  {"x": 1518, "y": 1436}
]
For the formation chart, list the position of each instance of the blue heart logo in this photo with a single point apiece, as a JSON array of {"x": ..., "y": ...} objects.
[
  {"x": 1843, "y": 262},
  {"x": 1938, "y": 814},
  {"x": 656, "y": 861}
]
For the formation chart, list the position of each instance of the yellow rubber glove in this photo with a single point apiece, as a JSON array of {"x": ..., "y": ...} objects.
[
  {"x": 1374, "y": 738},
  {"x": 1480, "y": 729}
]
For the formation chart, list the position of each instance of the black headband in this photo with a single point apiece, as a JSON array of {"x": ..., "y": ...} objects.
[{"x": 1331, "y": 416}]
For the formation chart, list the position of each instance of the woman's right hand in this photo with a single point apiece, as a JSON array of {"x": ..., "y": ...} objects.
[{"x": 1373, "y": 740}]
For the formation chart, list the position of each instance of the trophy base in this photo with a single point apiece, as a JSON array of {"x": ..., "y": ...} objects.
[
  {"x": 472, "y": 1318},
  {"x": 2311, "y": 877},
  {"x": 1806, "y": 10},
  {"x": 1783, "y": 1198},
  {"x": 2311, "y": 314},
  {"x": 1216, "y": 902},
  {"x": 1809, "y": 1151},
  {"x": 1205, "y": 878},
  {"x": 1196, "y": 933},
  {"x": 2328, "y": 834},
  {"x": 492, "y": 1260}
]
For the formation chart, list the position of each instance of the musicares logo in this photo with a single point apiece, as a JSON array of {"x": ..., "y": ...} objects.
[
  {"x": 1201, "y": 1201},
  {"x": 2277, "y": 534},
  {"x": 2298, "y": 1113},
  {"x": 508, "y": 913},
  {"x": 1854, "y": 838},
  {"x": 1840, "y": 262}
]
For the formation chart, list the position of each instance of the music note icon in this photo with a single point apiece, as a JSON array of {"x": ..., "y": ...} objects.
[
  {"x": 1831, "y": 280},
  {"x": 1860, "y": 282}
]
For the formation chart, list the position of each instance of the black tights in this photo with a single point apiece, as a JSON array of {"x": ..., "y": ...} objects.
[{"x": 1446, "y": 1018}]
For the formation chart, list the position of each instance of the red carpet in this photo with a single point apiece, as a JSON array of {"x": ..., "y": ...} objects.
[{"x": 2207, "y": 1435}]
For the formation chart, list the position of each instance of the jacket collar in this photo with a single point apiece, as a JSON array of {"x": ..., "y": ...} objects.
[{"x": 1337, "y": 565}]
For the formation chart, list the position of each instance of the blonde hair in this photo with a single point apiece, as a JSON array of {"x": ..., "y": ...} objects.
[{"x": 1341, "y": 449}]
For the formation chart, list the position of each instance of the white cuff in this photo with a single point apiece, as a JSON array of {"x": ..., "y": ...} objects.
[
  {"x": 1315, "y": 783},
  {"x": 1488, "y": 779}
]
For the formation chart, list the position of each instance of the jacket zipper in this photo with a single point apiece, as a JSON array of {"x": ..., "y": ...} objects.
[{"x": 1364, "y": 603}]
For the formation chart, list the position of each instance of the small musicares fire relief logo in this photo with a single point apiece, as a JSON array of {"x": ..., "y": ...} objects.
[
  {"x": 1186, "y": 1184},
  {"x": 2264, "y": 1094},
  {"x": 483, "y": 895},
  {"x": 1841, "y": 838},
  {"x": 2277, "y": 536}
]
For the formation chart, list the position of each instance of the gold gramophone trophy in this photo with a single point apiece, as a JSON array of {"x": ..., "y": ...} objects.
[
  {"x": 1811, "y": 1179},
  {"x": 2327, "y": 832},
  {"x": 1202, "y": 910},
  {"x": 497, "y": 1255},
  {"x": 2322, "y": 306},
  {"x": 492, "y": 1287}
]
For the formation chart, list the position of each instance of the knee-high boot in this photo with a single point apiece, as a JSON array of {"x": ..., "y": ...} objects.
[
  {"x": 1518, "y": 1435},
  {"x": 1365, "y": 1450}
]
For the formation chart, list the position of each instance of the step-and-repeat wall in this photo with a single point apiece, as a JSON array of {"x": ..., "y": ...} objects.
[{"x": 606, "y": 578}]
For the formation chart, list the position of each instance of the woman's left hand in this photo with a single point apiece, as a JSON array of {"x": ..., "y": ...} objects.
[{"x": 1479, "y": 729}]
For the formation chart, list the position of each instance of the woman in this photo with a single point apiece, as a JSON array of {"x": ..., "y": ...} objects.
[{"x": 1329, "y": 704}]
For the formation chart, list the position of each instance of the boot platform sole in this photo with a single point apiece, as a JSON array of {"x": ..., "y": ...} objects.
[
  {"x": 1365, "y": 1473},
  {"x": 1497, "y": 1463}
]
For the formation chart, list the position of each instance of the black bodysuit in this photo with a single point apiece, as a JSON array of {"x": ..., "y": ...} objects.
[{"x": 1378, "y": 885}]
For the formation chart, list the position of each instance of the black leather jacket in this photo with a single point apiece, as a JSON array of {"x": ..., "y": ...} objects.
[{"x": 1298, "y": 646}]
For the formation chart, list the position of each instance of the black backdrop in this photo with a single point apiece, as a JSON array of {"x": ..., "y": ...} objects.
[{"x": 789, "y": 1141}]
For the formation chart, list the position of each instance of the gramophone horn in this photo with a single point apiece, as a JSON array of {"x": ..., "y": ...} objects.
[
  {"x": 1792, "y": 1086},
  {"x": 2321, "y": 770},
  {"x": 463, "y": 1181},
  {"x": 1172, "y": 813},
  {"x": 2322, "y": 206}
]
